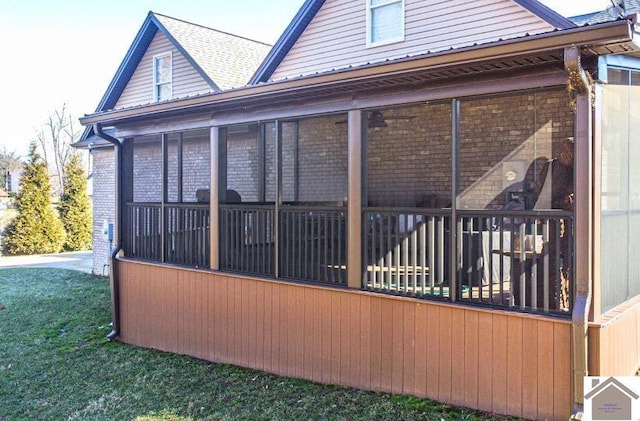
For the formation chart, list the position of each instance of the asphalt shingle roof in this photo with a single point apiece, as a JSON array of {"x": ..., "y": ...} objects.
[
  {"x": 229, "y": 60},
  {"x": 607, "y": 15}
]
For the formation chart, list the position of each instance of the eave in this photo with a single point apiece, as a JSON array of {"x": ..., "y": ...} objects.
[{"x": 595, "y": 40}]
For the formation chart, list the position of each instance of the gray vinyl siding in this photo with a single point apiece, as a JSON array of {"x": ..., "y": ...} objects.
[
  {"x": 336, "y": 38},
  {"x": 185, "y": 79}
]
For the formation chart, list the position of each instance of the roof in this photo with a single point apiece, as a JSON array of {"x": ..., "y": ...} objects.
[
  {"x": 223, "y": 60},
  {"x": 609, "y": 14},
  {"x": 509, "y": 54},
  {"x": 310, "y": 7}
]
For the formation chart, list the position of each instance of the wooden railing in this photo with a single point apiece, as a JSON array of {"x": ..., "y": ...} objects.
[
  {"x": 405, "y": 251},
  {"x": 176, "y": 233},
  {"x": 519, "y": 260},
  {"x": 308, "y": 243}
]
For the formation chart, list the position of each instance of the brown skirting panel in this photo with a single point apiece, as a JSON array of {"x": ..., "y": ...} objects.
[
  {"x": 497, "y": 361},
  {"x": 614, "y": 341}
]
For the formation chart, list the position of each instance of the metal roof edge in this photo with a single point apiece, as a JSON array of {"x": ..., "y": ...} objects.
[
  {"x": 601, "y": 34},
  {"x": 288, "y": 38},
  {"x": 546, "y": 13}
]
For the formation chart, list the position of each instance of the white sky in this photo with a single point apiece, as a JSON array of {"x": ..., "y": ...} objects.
[{"x": 67, "y": 51}]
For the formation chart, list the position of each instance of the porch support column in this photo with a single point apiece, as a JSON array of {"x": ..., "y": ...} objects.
[
  {"x": 125, "y": 179},
  {"x": 214, "y": 200},
  {"x": 583, "y": 202},
  {"x": 354, "y": 208},
  {"x": 456, "y": 231},
  {"x": 165, "y": 195}
]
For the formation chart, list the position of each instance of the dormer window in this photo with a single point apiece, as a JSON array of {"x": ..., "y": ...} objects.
[
  {"x": 385, "y": 22},
  {"x": 162, "y": 75}
]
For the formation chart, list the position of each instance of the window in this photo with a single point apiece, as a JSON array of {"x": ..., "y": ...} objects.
[
  {"x": 162, "y": 77},
  {"x": 385, "y": 22}
]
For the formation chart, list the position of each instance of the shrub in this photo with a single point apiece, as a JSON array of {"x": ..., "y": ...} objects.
[
  {"x": 36, "y": 227},
  {"x": 75, "y": 208}
]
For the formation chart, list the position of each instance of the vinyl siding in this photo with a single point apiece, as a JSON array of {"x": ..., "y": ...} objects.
[
  {"x": 186, "y": 80},
  {"x": 336, "y": 38}
]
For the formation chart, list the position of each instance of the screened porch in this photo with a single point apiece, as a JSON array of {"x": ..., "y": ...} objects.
[{"x": 466, "y": 200}]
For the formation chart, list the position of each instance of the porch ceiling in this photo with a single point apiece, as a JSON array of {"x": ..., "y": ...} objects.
[{"x": 543, "y": 51}]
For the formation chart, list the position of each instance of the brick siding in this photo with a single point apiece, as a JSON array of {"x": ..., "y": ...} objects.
[{"x": 103, "y": 205}]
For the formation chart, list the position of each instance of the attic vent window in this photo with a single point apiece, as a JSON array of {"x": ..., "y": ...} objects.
[
  {"x": 385, "y": 22},
  {"x": 162, "y": 72}
]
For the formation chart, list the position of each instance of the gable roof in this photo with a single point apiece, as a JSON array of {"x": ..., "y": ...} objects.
[
  {"x": 223, "y": 60},
  {"x": 607, "y": 15},
  {"x": 311, "y": 7}
]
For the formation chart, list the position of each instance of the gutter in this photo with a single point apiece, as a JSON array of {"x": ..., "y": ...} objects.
[
  {"x": 580, "y": 85},
  {"x": 113, "y": 273}
]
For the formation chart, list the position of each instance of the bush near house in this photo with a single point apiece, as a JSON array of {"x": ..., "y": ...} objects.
[
  {"x": 36, "y": 227},
  {"x": 75, "y": 208}
]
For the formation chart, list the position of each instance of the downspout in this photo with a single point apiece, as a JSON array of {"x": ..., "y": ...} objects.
[
  {"x": 579, "y": 86},
  {"x": 113, "y": 273}
]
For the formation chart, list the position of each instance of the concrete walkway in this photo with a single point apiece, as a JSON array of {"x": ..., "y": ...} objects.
[{"x": 78, "y": 260}]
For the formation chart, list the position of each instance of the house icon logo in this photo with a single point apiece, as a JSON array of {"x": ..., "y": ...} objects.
[{"x": 612, "y": 398}]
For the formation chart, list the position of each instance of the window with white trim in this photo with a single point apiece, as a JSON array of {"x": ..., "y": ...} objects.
[
  {"x": 385, "y": 22},
  {"x": 162, "y": 77}
]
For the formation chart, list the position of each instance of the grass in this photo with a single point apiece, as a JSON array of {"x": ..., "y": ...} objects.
[{"x": 56, "y": 363}]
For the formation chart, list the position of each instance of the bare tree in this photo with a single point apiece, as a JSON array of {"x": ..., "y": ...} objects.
[
  {"x": 55, "y": 138},
  {"x": 10, "y": 161}
]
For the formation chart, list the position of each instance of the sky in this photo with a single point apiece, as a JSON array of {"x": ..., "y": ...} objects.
[{"x": 66, "y": 51}]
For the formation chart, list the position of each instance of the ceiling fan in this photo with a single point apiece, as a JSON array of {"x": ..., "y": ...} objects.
[{"x": 376, "y": 118}]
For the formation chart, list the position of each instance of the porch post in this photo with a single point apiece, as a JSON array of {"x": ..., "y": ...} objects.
[
  {"x": 165, "y": 193},
  {"x": 278, "y": 199},
  {"x": 456, "y": 232},
  {"x": 126, "y": 180},
  {"x": 354, "y": 208},
  {"x": 214, "y": 196}
]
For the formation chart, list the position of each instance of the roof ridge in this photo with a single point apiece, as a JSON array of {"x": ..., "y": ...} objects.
[{"x": 210, "y": 28}]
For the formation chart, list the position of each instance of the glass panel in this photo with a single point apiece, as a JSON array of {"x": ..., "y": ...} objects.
[
  {"x": 147, "y": 169},
  {"x": 196, "y": 166},
  {"x": 516, "y": 152},
  {"x": 163, "y": 69},
  {"x": 244, "y": 163},
  {"x": 409, "y": 156},
  {"x": 617, "y": 77},
  {"x": 634, "y": 188},
  {"x": 615, "y": 195},
  {"x": 163, "y": 92},
  {"x": 386, "y": 23}
]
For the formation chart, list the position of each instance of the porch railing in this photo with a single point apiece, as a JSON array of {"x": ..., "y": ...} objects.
[
  {"x": 310, "y": 241},
  {"x": 405, "y": 251},
  {"x": 518, "y": 260},
  {"x": 179, "y": 235}
]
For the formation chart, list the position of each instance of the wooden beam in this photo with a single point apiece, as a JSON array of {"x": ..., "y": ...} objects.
[{"x": 354, "y": 209}]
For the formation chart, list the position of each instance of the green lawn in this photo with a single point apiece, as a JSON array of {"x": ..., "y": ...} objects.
[{"x": 56, "y": 363}]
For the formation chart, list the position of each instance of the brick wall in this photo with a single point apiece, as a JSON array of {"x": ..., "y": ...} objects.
[
  {"x": 103, "y": 205},
  {"x": 320, "y": 170},
  {"x": 516, "y": 133},
  {"x": 409, "y": 161}
]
